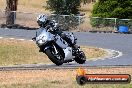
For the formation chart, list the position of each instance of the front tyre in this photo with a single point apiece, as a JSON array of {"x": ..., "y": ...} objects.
[
  {"x": 81, "y": 58},
  {"x": 51, "y": 55}
]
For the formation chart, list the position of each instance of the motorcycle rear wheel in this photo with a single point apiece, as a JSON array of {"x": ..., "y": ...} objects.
[
  {"x": 81, "y": 58},
  {"x": 53, "y": 58}
]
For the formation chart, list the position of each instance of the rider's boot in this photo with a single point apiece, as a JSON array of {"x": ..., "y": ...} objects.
[{"x": 68, "y": 40}]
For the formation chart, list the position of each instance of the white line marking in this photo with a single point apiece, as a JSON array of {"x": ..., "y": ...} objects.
[
  {"x": 1, "y": 37},
  {"x": 17, "y": 39},
  {"x": 21, "y": 39},
  {"x": 111, "y": 55},
  {"x": 11, "y": 38},
  {"x": 119, "y": 54},
  {"x": 30, "y": 40}
]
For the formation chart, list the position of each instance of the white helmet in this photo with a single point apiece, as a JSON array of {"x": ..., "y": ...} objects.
[{"x": 41, "y": 19}]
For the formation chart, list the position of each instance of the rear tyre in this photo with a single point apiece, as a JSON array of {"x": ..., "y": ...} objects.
[
  {"x": 51, "y": 55},
  {"x": 81, "y": 58}
]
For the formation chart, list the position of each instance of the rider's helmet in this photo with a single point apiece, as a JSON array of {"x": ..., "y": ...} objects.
[{"x": 42, "y": 20}]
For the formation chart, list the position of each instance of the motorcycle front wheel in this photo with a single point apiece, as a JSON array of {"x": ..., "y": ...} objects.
[
  {"x": 81, "y": 58},
  {"x": 55, "y": 58}
]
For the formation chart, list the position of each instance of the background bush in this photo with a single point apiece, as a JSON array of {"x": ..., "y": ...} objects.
[
  {"x": 65, "y": 7},
  {"x": 121, "y": 9},
  {"x": 67, "y": 22},
  {"x": 113, "y": 9},
  {"x": 102, "y": 22}
]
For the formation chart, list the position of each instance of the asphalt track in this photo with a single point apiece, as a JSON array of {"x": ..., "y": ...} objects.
[{"x": 118, "y": 42}]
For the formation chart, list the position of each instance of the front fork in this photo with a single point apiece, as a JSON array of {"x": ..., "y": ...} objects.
[{"x": 52, "y": 45}]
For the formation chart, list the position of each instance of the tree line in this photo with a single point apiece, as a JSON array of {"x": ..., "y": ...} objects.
[{"x": 102, "y": 8}]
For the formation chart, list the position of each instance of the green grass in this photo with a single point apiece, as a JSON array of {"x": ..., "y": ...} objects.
[{"x": 13, "y": 52}]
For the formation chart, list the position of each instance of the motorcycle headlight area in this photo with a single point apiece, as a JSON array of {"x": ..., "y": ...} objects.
[{"x": 40, "y": 42}]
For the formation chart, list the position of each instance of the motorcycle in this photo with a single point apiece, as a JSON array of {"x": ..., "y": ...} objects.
[{"x": 57, "y": 49}]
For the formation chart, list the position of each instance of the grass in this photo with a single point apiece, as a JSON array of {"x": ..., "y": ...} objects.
[
  {"x": 57, "y": 78},
  {"x": 20, "y": 52},
  {"x": 13, "y": 52},
  {"x": 38, "y": 6}
]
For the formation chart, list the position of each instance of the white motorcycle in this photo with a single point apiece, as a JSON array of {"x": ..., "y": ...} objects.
[{"x": 57, "y": 49}]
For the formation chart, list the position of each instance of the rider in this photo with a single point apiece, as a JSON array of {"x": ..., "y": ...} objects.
[{"x": 52, "y": 27}]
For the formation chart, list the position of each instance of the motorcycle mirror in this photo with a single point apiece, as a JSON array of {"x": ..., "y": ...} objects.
[{"x": 34, "y": 38}]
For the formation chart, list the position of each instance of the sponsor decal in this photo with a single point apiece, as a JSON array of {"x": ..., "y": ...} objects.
[{"x": 83, "y": 78}]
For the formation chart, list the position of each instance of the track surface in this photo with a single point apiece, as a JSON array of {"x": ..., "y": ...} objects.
[{"x": 119, "y": 42}]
